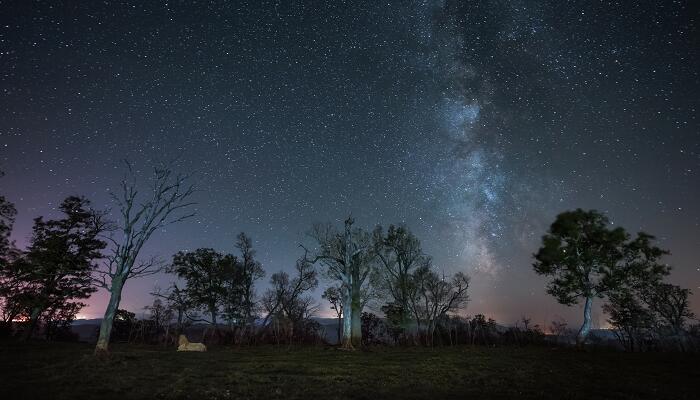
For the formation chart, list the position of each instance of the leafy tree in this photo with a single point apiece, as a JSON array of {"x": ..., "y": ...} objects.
[
  {"x": 371, "y": 329},
  {"x": 347, "y": 258},
  {"x": 647, "y": 311},
  {"x": 7, "y": 220},
  {"x": 10, "y": 288},
  {"x": 632, "y": 322},
  {"x": 124, "y": 322},
  {"x": 399, "y": 254},
  {"x": 207, "y": 274},
  {"x": 165, "y": 202},
  {"x": 57, "y": 267},
  {"x": 395, "y": 317},
  {"x": 586, "y": 258},
  {"x": 670, "y": 304}
]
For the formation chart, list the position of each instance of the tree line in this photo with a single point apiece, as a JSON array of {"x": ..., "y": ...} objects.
[{"x": 71, "y": 256}]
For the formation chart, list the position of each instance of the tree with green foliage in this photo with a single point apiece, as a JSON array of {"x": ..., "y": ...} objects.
[
  {"x": 58, "y": 265},
  {"x": 207, "y": 274},
  {"x": 399, "y": 254},
  {"x": 587, "y": 258}
]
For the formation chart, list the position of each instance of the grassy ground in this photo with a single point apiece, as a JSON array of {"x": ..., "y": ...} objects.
[{"x": 68, "y": 371}]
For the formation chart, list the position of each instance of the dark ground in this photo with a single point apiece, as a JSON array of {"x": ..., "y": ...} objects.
[{"x": 68, "y": 371}]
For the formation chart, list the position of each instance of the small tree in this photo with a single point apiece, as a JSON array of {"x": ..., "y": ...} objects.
[
  {"x": 166, "y": 202},
  {"x": 334, "y": 296},
  {"x": 284, "y": 301},
  {"x": 285, "y": 294},
  {"x": 587, "y": 259},
  {"x": 249, "y": 271},
  {"x": 433, "y": 297}
]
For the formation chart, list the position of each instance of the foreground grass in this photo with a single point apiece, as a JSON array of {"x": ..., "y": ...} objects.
[{"x": 68, "y": 371}]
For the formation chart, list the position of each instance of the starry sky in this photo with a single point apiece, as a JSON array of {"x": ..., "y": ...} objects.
[{"x": 474, "y": 123}]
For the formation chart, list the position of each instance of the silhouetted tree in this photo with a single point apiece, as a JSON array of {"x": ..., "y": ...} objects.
[
  {"x": 7, "y": 220},
  {"x": 433, "y": 297},
  {"x": 124, "y": 322},
  {"x": 399, "y": 254},
  {"x": 285, "y": 296},
  {"x": 334, "y": 296},
  {"x": 56, "y": 269},
  {"x": 646, "y": 312},
  {"x": 588, "y": 259},
  {"x": 207, "y": 274},
  {"x": 10, "y": 287},
  {"x": 249, "y": 271},
  {"x": 162, "y": 205},
  {"x": 346, "y": 257},
  {"x": 178, "y": 303}
]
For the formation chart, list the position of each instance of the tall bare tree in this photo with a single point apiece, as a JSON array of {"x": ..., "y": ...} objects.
[
  {"x": 166, "y": 202},
  {"x": 347, "y": 257}
]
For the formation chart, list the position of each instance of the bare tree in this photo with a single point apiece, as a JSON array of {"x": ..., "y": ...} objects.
[
  {"x": 166, "y": 203},
  {"x": 284, "y": 294},
  {"x": 284, "y": 302},
  {"x": 347, "y": 257},
  {"x": 433, "y": 297}
]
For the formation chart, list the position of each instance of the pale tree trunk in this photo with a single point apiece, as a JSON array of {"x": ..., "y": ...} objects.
[
  {"x": 356, "y": 320},
  {"x": 102, "y": 347},
  {"x": 347, "y": 321},
  {"x": 586, "y": 327}
]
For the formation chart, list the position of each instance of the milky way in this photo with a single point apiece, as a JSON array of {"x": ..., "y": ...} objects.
[{"x": 474, "y": 123}]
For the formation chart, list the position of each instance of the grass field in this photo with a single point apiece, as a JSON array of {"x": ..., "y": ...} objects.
[{"x": 68, "y": 371}]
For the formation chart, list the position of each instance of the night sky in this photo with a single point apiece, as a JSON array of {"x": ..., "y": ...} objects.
[{"x": 474, "y": 123}]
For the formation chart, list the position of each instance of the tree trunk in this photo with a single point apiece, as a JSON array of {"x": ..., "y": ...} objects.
[
  {"x": 33, "y": 322},
  {"x": 347, "y": 322},
  {"x": 102, "y": 347},
  {"x": 586, "y": 327},
  {"x": 356, "y": 328},
  {"x": 340, "y": 329}
]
